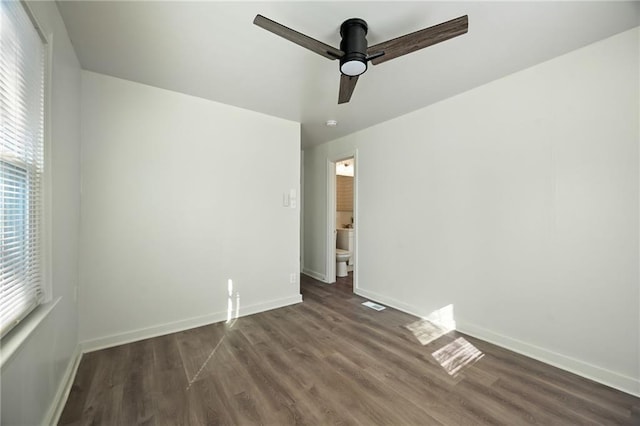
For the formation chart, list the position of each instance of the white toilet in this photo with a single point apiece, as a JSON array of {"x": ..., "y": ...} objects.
[{"x": 342, "y": 257}]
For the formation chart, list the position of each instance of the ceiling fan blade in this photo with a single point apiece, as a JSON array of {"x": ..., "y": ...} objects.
[
  {"x": 419, "y": 40},
  {"x": 347, "y": 84},
  {"x": 298, "y": 38}
]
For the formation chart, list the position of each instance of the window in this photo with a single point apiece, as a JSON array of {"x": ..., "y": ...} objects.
[{"x": 21, "y": 164}]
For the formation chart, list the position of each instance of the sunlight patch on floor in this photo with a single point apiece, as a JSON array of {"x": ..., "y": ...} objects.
[
  {"x": 437, "y": 324},
  {"x": 426, "y": 331},
  {"x": 204, "y": 364},
  {"x": 457, "y": 355}
]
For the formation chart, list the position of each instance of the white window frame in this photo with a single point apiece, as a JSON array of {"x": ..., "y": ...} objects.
[{"x": 16, "y": 336}]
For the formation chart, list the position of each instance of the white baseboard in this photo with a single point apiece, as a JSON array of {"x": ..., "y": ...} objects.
[
  {"x": 598, "y": 374},
  {"x": 314, "y": 274},
  {"x": 60, "y": 398},
  {"x": 609, "y": 378},
  {"x": 160, "y": 330}
]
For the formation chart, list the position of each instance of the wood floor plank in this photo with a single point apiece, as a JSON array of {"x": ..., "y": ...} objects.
[
  {"x": 330, "y": 360},
  {"x": 137, "y": 403},
  {"x": 80, "y": 388},
  {"x": 230, "y": 383},
  {"x": 166, "y": 354}
]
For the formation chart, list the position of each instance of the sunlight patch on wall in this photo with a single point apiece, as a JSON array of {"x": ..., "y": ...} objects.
[
  {"x": 231, "y": 315},
  {"x": 457, "y": 355},
  {"x": 229, "y": 299}
]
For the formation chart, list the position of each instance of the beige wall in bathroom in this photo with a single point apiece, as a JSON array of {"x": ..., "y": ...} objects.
[
  {"x": 344, "y": 193},
  {"x": 344, "y": 200},
  {"x": 343, "y": 218}
]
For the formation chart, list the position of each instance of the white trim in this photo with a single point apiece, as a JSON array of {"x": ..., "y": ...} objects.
[
  {"x": 615, "y": 380},
  {"x": 314, "y": 274},
  {"x": 47, "y": 178},
  {"x": 601, "y": 375},
  {"x": 330, "y": 247},
  {"x": 356, "y": 221},
  {"x": 160, "y": 330},
  {"x": 301, "y": 213},
  {"x": 13, "y": 341},
  {"x": 34, "y": 21},
  {"x": 62, "y": 394}
]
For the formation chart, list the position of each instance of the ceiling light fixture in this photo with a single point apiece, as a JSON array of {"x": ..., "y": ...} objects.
[
  {"x": 353, "y": 68},
  {"x": 331, "y": 123}
]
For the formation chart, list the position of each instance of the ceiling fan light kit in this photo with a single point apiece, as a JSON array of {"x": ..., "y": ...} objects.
[
  {"x": 354, "y": 53},
  {"x": 353, "y": 67}
]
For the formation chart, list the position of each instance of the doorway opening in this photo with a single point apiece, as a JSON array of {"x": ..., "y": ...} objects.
[{"x": 342, "y": 214}]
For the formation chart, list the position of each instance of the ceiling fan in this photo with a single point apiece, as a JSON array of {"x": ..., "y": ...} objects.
[{"x": 354, "y": 54}]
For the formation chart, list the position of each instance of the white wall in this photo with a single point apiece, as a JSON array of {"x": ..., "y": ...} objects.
[
  {"x": 181, "y": 194},
  {"x": 33, "y": 379},
  {"x": 519, "y": 207}
]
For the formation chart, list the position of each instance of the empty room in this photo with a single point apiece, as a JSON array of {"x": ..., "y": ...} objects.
[{"x": 367, "y": 212}]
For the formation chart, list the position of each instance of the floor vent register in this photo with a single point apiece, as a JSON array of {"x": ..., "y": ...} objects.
[{"x": 372, "y": 305}]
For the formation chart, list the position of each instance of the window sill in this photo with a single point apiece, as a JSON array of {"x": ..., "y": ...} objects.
[{"x": 12, "y": 342}]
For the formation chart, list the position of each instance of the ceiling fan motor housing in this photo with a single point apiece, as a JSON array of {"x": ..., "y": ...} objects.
[{"x": 354, "y": 45}]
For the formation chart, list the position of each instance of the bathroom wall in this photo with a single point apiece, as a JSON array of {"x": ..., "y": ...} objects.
[
  {"x": 182, "y": 200},
  {"x": 344, "y": 200},
  {"x": 520, "y": 209},
  {"x": 343, "y": 218},
  {"x": 344, "y": 193},
  {"x": 34, "y": 379}
]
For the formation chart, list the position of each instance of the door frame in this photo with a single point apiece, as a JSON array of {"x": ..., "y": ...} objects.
[{"x": 330, "y": 245}]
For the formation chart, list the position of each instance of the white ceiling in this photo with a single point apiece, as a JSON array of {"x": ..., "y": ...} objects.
[{"x": 212, "y": 50}]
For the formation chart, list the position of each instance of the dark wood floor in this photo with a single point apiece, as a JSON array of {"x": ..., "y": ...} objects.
[{"x": 330, "y": 360}]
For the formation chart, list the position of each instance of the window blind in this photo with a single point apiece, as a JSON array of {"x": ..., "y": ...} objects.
[{"x": 21, "y": 164}]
